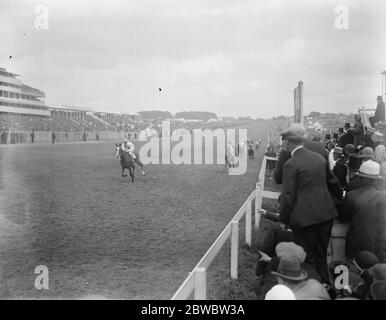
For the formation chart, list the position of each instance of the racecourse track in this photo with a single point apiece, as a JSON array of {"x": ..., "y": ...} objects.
[{"x": 66, "y": 206}]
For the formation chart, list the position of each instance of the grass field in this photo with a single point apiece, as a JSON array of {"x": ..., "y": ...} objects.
[{"x": 66, "y": 206}]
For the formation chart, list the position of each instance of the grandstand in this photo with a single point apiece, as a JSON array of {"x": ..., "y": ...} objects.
[{"x": 18, "y": 98}]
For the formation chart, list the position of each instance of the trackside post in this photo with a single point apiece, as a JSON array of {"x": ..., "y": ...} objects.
[
  {"x": 200, "y": 284},
  {"x": 248, "y": 223},
  {"x": 234, "y": 249}
]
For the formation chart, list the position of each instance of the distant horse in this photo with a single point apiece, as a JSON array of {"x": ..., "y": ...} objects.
[
  {"x": 229, "y": 157},
  {"x": 257, "y": 144},
  {"x": 127, "y": 161},
  {"x": 251, "y": 153}
]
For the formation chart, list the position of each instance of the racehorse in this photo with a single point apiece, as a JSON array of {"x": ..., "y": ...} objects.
[
  {"x": 127, "y": 161},
  {"x": 251, "y": 153},
  {"x": 229, "y": 156},
  {"x": 257, "y": 144}
]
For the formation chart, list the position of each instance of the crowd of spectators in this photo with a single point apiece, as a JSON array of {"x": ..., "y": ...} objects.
[
  {"x": 21, "y": 128},
  {"x": 341, "y": 178}
]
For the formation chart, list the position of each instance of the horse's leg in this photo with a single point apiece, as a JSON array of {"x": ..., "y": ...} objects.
[
  {"x": 140, "y": 164},
  {"x": 132, "y": 173},
  {"x": 123, "y": 171}
]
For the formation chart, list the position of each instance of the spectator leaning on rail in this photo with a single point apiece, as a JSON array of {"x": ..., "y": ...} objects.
[
  {"x": 364, "y": 209},
  {"x": 305, "y": 202}
]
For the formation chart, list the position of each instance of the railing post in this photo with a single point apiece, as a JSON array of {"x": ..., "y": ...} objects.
[
  {"x": 258, "y": 203},
  {"x": 200, "y": 284},
  {"x": 248, "y": 223},
  {"x": 234, "y": 249}
]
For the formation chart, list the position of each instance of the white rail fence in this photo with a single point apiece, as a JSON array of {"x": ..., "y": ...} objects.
[{"x": 196, "y": 281}]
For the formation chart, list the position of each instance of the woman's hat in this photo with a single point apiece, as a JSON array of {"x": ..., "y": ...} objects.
[
  {"x": 349, "y": 148},
  {"x": 371, "y": 170},
  {"x": 378, "y": 272},
  {"x": 365, "y": 153},
  {"x": 370, "y": 129},
  {"x": 378, "y": 290},
  {"x": 377, "y": 137},
  {"x": 365, "y": 259},
  {"x": 289, "y": 269},
  {"x": 280, "y": 292}
]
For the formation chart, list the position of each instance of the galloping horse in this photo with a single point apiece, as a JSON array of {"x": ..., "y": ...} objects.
[
  {"x": 251, "y": 153},
  {"x": 127, "y": 162},
  {"x": 229, "y": 156}
]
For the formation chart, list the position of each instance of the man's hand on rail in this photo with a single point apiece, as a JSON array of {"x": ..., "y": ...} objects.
[{"x": 264, "y": 257}]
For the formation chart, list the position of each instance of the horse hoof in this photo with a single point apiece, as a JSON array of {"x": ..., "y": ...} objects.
[{"x": 124, "y": 175}]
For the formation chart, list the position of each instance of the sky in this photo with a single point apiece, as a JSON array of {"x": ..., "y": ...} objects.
[{"x": 231, "y": 57}]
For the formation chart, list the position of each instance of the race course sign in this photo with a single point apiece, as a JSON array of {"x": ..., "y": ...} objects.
[{"x": 298, "y": 103}]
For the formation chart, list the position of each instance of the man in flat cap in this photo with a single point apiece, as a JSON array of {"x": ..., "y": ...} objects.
[
  {"x": 305, "y": 202},
  {"x": 284, "y": 154}
]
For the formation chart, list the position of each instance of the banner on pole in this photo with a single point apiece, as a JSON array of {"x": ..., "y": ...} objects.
[{"x": 298, "y": 103}]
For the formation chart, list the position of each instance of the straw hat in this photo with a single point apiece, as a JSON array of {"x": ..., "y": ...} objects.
[
  {"x": 280, "y": 292},
  {"x": 371, "y": 170}
]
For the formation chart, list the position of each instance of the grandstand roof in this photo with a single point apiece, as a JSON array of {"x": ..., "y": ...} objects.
[
  {"x": 9, "y": 73},
  {"x": 70, "y": 107},
  {"x": 32, "y": 90}
]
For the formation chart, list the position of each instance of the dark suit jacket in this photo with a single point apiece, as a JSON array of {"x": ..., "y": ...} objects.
[
  {"x": 305, "y": 199},
  {"x": 359, "y": 133},
  {"x": 346, "y": 138},
  {"x": 380, "y": 112},
  {"x": 284, "y": 155},
  {"x": 364, "y": 209},
  {"x": 340, "y": 171}
]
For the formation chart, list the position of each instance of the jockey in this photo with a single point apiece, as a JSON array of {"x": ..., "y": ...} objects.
[{"x": 128, "y": 146}]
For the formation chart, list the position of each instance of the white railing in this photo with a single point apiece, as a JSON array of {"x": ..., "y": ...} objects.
[{"x": 196, "y": 281}]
